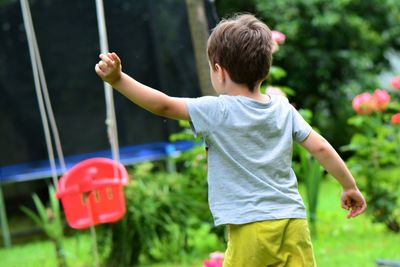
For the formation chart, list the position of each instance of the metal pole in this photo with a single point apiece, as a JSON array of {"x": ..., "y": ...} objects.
[{"x": 3, "y": 220}]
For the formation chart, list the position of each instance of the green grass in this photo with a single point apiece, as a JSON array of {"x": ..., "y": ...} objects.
[
  {"x": 340, "y": 242},
  {"x": 42, "y": 253},
  {"x": 350, "y": 242}
]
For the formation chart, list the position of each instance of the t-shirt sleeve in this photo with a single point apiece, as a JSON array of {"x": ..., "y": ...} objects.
[
  {"x": 301, "y": 129},
  {"x": 205, "y": 113}
]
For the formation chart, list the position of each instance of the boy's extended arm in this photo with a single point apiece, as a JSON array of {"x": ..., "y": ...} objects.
[
  {"x": 351, "y": 198},
  {"x": 109, "y": 69}
]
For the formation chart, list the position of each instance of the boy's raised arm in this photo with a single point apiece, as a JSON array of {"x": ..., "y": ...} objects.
[
  {"x": 351, "y": 198},
  {"x": 109, "y": 70}
]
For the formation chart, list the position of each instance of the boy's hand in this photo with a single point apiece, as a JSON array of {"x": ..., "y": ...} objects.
[
  {"x": 353, "y": 200},
  {"x": 109, "y": 68}
]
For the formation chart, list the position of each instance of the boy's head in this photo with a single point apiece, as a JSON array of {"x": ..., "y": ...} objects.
[{"x": 242, "y": 45}]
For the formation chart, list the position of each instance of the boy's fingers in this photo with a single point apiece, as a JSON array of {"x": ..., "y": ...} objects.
[
  {"x": 362, "y": 208},
  {"x": 346, "y": 204},
  {"x": 106, "y": 59},
  {"x": 357, "y": 210},
  {"x": 98, "y": 70},
  {"x": 116, "y": 58},
  {"x": 102, "y": 65},
  {"x": 354, "y": 202},
  {"x": 354, "y": 212},
  {"x": 111, "y": 58}
]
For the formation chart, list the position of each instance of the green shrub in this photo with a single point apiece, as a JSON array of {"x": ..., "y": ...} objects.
[{"x": 375, "y": 162}]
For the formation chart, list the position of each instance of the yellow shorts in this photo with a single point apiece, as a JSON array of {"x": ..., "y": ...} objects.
[{"x": 276, "y": 243}]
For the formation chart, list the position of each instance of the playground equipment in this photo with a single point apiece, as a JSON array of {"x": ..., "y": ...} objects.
[
  {"x": 50, "y": 128},
  {"x": 92, "y": 192},
  {"x": 31, "y": 165}
]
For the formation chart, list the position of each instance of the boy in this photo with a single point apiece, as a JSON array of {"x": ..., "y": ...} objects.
[{"x": 249, "y": 136}]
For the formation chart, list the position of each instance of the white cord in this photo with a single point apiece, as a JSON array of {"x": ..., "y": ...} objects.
[
  {"x": 45, "y": 91},
  {"x": 111, "y": 121},
  {"x": 29, "y": 31}
]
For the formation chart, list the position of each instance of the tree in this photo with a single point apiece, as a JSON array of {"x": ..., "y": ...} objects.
[{"x": 199, "y": 32}]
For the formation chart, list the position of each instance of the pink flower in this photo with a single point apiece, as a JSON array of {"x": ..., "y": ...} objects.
[
  {"x": 364, "y": 103},
  {"x": 212, "y": 263},
  {"x": 396, "y": 118},
  {"x": 215, "y": 260},
  {"x": 274, "y": 90},
  {"x": 217, "y": 256},
  {"x": 396, "y": 82},
  {"x": 278, "y": 37},
  {"x": 382, "y": 99}
]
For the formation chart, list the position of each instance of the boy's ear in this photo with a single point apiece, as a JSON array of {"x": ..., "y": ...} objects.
[{"x": 220, "y": 72}]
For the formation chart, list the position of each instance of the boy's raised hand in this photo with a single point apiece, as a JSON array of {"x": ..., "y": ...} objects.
[
  {"x": 353, "y": 200},
  {"x": 109, "y": 68}
]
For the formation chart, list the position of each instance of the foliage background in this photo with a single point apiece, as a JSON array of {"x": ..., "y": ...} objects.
[{"x": 334, "y": 49}]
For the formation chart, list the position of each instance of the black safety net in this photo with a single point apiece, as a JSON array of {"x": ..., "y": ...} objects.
[{"x": 153, "y": 40}]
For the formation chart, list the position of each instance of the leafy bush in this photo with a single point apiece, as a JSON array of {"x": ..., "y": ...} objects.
[
  {"x": 334, "y": 49},
  {"x": 375, "y": 162}
]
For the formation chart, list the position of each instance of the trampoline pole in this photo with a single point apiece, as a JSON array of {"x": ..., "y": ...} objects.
[{"x": 3, "y": 220}]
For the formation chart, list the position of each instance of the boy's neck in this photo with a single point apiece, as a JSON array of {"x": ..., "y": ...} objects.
[{"x": 242, "y": 90}]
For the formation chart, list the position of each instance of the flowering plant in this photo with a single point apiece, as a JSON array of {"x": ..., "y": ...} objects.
[
  {"x": 396, "y": 118},
  {"x": 278, "y": 38},
  {"x": 366, "y": 103},
  {"x": 215, "y": 260},
  {"x": 375, "y": 147},
  {"x": 395, "y": 82}
]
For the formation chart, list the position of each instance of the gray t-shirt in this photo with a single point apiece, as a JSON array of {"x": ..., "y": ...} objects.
[{"x": 250, "y": 148}]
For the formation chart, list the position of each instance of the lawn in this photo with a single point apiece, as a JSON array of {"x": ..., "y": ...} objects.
[
  {"x": 339, "y": 242},
  {"x": 350, "y": 242}
]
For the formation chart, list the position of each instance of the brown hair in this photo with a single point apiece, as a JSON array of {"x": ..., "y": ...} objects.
[{"x": 242, "y": 45}]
